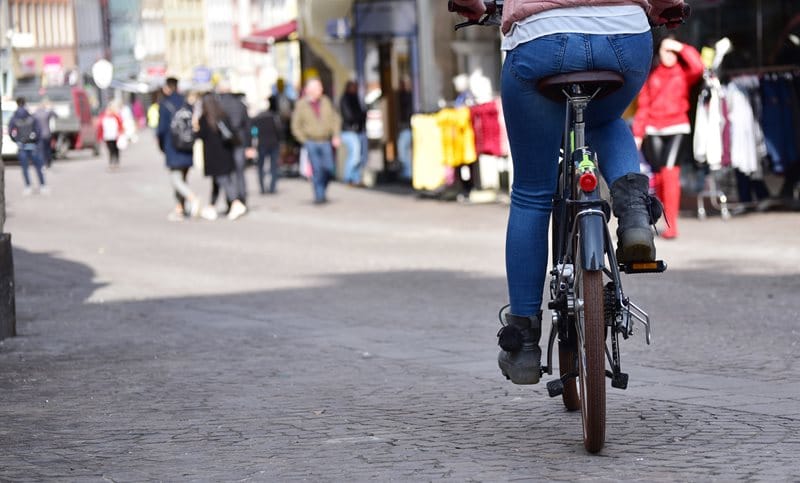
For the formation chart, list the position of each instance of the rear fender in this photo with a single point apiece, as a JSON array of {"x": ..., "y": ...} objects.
[{"x": 592, "y": 225}]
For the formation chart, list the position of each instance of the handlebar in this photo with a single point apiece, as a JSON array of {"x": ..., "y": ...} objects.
[
  {"x": 673, "y": 16},
  {"x": 494, "y": 13},
  {"x": 491, "y": 7}
]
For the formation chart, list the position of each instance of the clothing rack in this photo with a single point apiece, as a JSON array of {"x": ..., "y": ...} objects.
[{"x": 774, "y": 69}]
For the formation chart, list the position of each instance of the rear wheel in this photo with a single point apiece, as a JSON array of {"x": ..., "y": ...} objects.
[{"x": 592, "y": 358}]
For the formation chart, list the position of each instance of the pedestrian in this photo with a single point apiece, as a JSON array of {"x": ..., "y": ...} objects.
[
  {"x": 152, "y": 111},
  {"x": 405, "y": 106},
  {"x": 316, "y": 124},
  {"x": 25, "y": 130},
  {"x": 354, "y": 136},
  {"x": 46, "y": 116},
  {"x": 236, "y": 111},
  {"x": 176, "y": 140},
  {"x": 270, "y": 136},
  {"x": 137, "y": 109},
  {"x": 216, "y": 131},
  {"x": 661, "y": 124},
  {"x": 111, "y": 132},
  {"x": 282, "y": 104}
]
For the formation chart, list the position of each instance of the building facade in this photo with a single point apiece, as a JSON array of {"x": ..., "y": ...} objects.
[
  {"x": 89, "y": 38},
  {"x": 185, "y": 37},
  {"x": 124, "y": 34},
  {"x": 40, "y": 40},
  {"x": 153, "y": 56},
  {"x": 264, "y": 48}
]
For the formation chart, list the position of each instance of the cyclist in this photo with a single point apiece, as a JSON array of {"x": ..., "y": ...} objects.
[{"x": 544, "y": 38}]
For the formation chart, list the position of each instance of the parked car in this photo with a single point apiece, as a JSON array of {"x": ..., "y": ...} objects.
[
  {"x": 74, "y": 126},
  {"x": 9, "y": 146}
]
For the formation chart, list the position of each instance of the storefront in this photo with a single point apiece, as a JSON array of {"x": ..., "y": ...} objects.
[
  {"x": 763, "y": 32},
  {"x": 763, "y": 64}
]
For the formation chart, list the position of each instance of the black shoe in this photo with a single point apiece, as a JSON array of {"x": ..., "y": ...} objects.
[
  {"x": 520, "y": 359},
  {"x": 637, "y": 212}
]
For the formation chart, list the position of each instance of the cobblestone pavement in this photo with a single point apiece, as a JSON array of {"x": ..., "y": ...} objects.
[{"x": 356, "y": 341}]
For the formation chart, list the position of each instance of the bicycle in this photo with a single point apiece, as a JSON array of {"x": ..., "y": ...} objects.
[{"x": 588, "y": 317}]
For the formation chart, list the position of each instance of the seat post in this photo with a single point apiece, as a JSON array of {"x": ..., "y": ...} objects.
[{"x": 579, "y": 102}]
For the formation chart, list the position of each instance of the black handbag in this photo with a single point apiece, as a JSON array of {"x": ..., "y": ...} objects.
[{"x": 228, "y": 135}]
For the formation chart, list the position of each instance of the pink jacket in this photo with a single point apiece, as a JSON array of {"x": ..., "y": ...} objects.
[{"x": 516, "y": 10}]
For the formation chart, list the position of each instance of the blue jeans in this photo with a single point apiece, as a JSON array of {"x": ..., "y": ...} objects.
[
  {"x": 356, "y": 145},
  {"x": 274, "y": 155},
  {"x": 238, "y": 174},
  {"x": 404, "y": 152},
  {"x": 320, "y": 155},
  {"x": 26, "y": 154},
  {"x": 535, "y": 126}
]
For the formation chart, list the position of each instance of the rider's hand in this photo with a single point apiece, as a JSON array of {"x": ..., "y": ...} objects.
[
  {"x": 657, "y": 12},
  {"x": 476, "y": 8}
]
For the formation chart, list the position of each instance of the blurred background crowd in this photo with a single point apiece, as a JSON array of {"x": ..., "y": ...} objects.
[{"x": 379, "y": 92}]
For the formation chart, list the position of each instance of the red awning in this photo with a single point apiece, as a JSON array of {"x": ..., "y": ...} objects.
[{"x": 260, "y": 40}]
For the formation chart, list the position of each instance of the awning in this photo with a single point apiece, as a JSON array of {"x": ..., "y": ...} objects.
[{"x": 260, "y": 40}]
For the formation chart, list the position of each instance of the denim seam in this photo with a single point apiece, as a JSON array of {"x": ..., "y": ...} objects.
[
  {"x": 512, "y": 59},
  {"x": 618, "y": 53},
  {"x": 587, "y": 48}
]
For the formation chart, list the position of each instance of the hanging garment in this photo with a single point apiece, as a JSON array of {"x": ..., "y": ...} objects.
[
  {"x": 709, "y": 124},
  {"x": 427, "y": 158},
  {"x": 743, "y": 130},
  {"x": 486, "y": 124},
  {"x": 779, "y": 122},
  {"x": 458, "y": 138}
]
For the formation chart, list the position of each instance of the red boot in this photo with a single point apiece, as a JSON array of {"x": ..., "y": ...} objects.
[{"x": 671, "y": 189}]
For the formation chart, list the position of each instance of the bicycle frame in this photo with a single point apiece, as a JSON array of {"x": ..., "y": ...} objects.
[{"x": 580, "y": 223}]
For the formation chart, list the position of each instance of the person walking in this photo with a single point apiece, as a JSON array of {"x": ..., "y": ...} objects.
[
  {"x": 214, "y": 128},
  {"x": 405, "y": 106},
  {"x": 317, "y": 125},
  {"x": 174, "y": 120},
  {"x": 354, "y": 137},
  {"x": 661, "y": 124},
  {"x": 110, "y": 131},
  {"x": 236, "y": 111},
  {"x": 45, "y": 115},
  {"x": 25, "y": 130},
  {"x": 269, "y": 139}
]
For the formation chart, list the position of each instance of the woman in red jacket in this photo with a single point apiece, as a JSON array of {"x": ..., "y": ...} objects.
[{"x": 661, "y": 125}]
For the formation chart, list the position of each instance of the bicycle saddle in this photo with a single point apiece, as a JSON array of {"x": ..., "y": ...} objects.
[{"x": 590, "y": 81}]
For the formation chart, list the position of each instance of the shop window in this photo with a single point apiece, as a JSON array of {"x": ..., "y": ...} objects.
[{"x": 761, "y": 32}]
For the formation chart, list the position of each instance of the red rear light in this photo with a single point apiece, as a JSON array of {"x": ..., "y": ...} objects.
[{"x": 588, "y": 182}]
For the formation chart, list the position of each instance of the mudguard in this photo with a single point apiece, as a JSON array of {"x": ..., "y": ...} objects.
[{"x": 592, "y": 241}]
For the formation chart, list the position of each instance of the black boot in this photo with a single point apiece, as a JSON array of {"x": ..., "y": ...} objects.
[
  {"x": 521, "y": 358},
  {"x": 637, "y": 211}
]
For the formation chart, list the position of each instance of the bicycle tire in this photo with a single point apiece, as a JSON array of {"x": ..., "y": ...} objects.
[
  {"x": 592, "y": 359},
  {"x": 567, "y": 363}
]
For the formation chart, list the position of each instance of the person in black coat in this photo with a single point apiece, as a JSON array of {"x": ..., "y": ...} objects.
[
  {"x": 236, "y": 111},
  {"x": 218, "y": 154},
  {"x": 354, "y": 137},
  {"x": 270, "y": 136}
]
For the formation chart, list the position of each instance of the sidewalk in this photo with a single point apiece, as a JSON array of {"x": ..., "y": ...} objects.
[{"x": 356, "y": 341}]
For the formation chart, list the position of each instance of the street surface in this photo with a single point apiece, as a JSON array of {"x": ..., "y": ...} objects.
[{"x": 356, "y": 341}]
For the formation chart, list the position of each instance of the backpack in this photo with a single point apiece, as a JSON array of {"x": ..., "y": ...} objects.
[
  {"x": 24, "y": 130},
  {"x": 180, "y": 128}
]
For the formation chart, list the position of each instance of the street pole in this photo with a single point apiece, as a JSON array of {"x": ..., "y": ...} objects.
[{"x": 8, "y": 315}]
